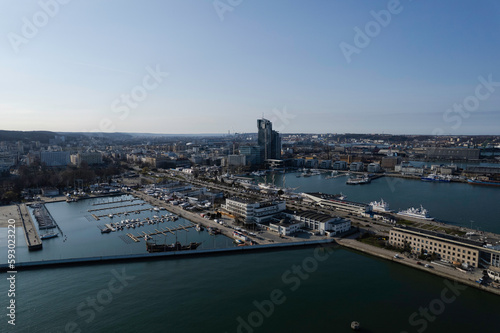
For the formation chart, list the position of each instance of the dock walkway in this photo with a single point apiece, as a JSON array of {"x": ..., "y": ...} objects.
[{"x": 30, "y": 233}]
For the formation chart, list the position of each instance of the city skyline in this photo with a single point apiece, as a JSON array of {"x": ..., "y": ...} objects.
[{"x": 190, "y": 67}]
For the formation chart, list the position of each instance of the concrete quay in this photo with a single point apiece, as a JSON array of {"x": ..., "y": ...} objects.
[
  {"x": 169, "y": 255},
  {"x": 446, "y": 272},
  {"x": 30, "y": 232}
]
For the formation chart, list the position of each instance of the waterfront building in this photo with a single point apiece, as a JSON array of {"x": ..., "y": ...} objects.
[
  {"x": 322, "y": 223},
  {"x": 331, "y": 201},
  {"x": 268, "y": 140},
  {"x": 298, "y": 162},
  {"x": 254, "y": 211},
  {"x": 357, "y": 166},
  {"x": 340, "y": 165},
  {"x": 325, "y": 164},
  {"x": 311, "y": 163},
  {"x": 450, "y": 248},
  {"x": 286, "y": 227},
  {"x": 390, "y": 162}
]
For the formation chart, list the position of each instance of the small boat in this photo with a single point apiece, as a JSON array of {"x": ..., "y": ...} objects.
[
  {"x": 49, "y": 235},
  {"x": 110, "y": 216},
  {"x": 105, "y": 231}
]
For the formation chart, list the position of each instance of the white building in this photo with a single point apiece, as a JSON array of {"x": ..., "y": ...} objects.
[
  {"x": 286, "y": 228},
  {"x": 322, "y": 223},
  {"x": 254, "y": 212}
]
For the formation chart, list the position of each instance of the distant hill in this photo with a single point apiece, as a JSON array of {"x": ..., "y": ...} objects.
[{"x": 42, "y": 136}]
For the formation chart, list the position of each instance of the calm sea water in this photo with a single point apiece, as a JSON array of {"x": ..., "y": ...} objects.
[
  {"x": 210, "y": 294},
  {"x": 453, "y": 203},
  {"x": 218, "y": 294}
]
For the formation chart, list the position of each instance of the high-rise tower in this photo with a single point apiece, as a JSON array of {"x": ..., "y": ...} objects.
[{"x": 268, "y": 140}]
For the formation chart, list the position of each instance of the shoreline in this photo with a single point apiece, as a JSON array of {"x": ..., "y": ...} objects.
[{"x": 373, "y": 251}]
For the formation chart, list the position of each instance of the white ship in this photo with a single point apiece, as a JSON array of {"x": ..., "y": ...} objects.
[
  {"x": 358, "y": 180},
  {"x": 418, "y": 213},
  {"x": 381, "y": 206}
]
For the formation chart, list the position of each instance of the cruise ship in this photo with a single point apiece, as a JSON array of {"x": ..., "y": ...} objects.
[
  {"x": 417, "y": 213},
  {"x": 381, "y": 206}
]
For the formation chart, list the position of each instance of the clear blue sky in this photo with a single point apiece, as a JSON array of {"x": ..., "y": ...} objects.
[{"x": 264, "y": 57}]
